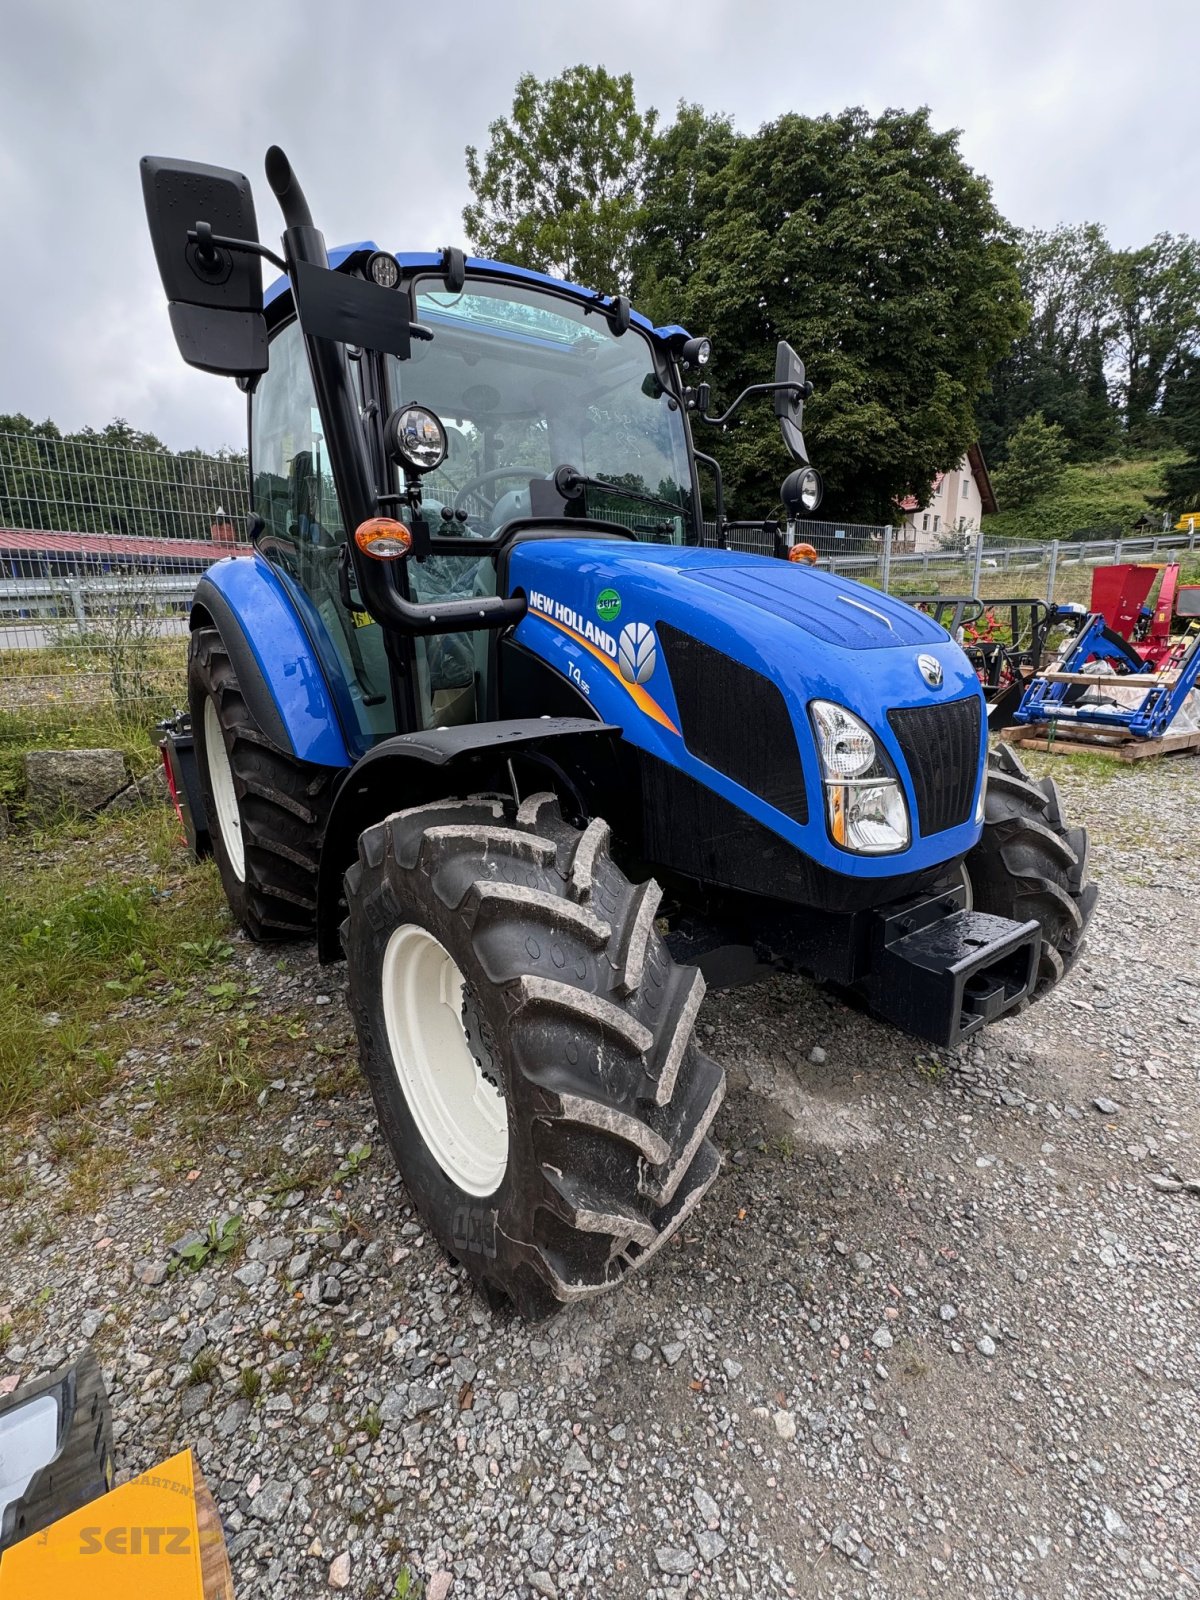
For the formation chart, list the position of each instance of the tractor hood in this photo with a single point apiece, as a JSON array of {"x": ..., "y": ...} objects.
[{"x": 658, "y": 639}]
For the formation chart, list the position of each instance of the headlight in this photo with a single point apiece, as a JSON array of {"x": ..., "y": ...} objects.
[
  {"x": 865, "y": 805},
  {"x": 810, "y": 489},
  {"x": 416, "y": 438}
]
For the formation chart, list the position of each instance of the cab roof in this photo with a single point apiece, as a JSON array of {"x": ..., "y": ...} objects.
[{"x": 340, "y": 255}]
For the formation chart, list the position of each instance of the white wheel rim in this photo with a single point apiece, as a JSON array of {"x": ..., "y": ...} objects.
[
  {"x": 220, "y": 778},
  {"x": 460, "y": 1115}
]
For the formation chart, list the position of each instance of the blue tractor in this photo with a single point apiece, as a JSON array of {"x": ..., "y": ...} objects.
[{"x": 482, "y": 714}]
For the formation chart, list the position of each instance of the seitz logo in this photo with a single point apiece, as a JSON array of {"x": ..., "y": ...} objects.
[{"x": 135, "y": 1541}]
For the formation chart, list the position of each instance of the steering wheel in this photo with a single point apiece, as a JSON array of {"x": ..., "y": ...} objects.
[{"x": 473, "y": 485}]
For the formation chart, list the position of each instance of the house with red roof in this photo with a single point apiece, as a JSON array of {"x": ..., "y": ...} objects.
[{"x": 957, "y": 503}]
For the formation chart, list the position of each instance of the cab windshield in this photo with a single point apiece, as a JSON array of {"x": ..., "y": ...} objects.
[{"x": 527, "y": 381}]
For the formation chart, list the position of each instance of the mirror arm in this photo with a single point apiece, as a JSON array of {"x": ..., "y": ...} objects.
[
  {"x": 798, "y": 392},
  {"x": 718, "y": 493},
  {"x": 208, "y": 243}
]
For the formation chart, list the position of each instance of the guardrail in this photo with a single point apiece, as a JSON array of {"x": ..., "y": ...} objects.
[{"x": 84, "y": 597}]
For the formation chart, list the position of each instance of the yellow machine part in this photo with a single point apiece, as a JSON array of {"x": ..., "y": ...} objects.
[{"x": 157, "y": 1537}]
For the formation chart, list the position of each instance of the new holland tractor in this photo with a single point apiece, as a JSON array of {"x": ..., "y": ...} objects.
[{"x": 481, "y": 713}]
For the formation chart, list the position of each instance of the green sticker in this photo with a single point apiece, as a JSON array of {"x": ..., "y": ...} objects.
[{"x": 608, "y": 605}]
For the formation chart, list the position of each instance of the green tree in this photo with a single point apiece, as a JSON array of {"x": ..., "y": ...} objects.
[
  {"x": 1057, "y": 365},
  {"x": 683, "y": 168},
  {"x": 1037, "y": 453},
  {"x": 1156, "y": 307},
  {"x": 559, "y": 185},
  {"x": 877, "y": 252}
]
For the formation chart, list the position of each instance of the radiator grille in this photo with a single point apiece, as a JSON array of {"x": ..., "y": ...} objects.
[
  {"x": 941, "y": 746},
  {"x": 735, "y": 720}
]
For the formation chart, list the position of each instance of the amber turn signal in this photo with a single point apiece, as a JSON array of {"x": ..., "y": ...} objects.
[
  {"x": 803, "y": 552},
  {"x": 383, "y": 538}
]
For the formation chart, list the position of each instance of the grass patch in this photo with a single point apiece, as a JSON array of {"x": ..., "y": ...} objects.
[
  {"x": 1104, "y": 496},
  {"x": 204, "y": 1368},
  {"x": 93, "y": 914}
]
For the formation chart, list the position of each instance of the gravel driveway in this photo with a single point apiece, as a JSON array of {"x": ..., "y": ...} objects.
[{"x": 934, "y": 1330}]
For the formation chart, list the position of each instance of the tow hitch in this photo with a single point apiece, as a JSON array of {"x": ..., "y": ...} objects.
[{"x": 941, "y": 973}]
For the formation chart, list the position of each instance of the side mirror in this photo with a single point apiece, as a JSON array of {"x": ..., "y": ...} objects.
[
  {"x": 214, "y": 294},
  {"x": 789, "y": 402}
]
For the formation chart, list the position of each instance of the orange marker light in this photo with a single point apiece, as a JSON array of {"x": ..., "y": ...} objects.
[
  {"x": 383, "y": 538},
  {"x": 803, "y": 552}
]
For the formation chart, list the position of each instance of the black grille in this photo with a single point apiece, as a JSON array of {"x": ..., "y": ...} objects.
[
  {"x": 941, "y": 747},
  {"x": 735, "y": 720}
]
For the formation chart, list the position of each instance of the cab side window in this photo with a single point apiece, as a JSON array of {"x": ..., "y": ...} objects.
[
  {"x": 303, "y": 537},
  {"x": 293, "y": 484}
]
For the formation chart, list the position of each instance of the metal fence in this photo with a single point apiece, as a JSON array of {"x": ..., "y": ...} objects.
[
  {"x": 97, "y": 486},
  {"x": 101, "y": 544}
]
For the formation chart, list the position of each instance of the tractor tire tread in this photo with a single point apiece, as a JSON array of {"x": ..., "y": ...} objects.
[
  {"x": 611, "y": 1104},
  {"x": 1028, "y": 865},
  {"x": 283, "y": 804}
]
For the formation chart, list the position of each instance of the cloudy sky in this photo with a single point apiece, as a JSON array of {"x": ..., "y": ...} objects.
[{"x": 1077, "y": 110}]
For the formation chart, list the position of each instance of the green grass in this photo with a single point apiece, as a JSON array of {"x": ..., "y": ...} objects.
[
  {"x": 71, "y": 699},
  {"x": 1107, "y": 496},
  {"x": 92, "y": 914}
]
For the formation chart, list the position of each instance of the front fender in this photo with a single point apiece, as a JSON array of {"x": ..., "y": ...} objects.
[
  {"x": 277, "y": 668},
  {"x": 413, "y": 769}
]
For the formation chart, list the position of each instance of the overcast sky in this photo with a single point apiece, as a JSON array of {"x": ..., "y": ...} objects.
[{"x": 1077, "y": 110}]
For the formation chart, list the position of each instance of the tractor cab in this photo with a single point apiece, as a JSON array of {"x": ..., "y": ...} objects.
[
  {"x": 411, "y": 415},
  {"x": 516, "y": 380}
]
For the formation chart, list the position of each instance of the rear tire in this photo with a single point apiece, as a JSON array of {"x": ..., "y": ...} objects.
[
  {"x": 1029, "y": 865},
  {"x": 573, "y": 1014},
  {"x": 267, "y": 812}
]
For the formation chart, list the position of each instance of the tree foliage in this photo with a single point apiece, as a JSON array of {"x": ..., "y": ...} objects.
[
  {"x": 877, "y": 253},
  {"x": 1057, "y": 365},
  {"x": 117, "y": 479},
  {"x": 681, "y": 198},
  {"x": 1111, "y": 334},
  {"x": 1037, "y": 454},
  {"x": 559, "y": 186}
]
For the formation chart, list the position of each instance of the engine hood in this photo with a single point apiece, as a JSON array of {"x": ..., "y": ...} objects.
[{"x": 608, "y": 614}]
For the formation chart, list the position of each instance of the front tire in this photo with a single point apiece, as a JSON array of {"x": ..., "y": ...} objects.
[
  {"x": 548, "y": 994},
  {"x": 1029, "y": 865},
  {"x": 266, "y": 811}
]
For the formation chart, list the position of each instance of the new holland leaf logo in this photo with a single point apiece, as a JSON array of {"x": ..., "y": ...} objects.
[{"x": 637, "y": 653}]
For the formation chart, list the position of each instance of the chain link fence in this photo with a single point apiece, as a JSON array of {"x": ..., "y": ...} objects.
[{"x": 101, "y": 544}]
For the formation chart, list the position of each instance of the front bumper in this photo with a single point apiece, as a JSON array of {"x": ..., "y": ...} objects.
[
  {"x": 942, "y": 973},
  {"x": 924, "y": 964}
]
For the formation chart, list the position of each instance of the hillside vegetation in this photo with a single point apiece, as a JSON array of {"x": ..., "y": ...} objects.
[{"x": 1104, "y": 497}]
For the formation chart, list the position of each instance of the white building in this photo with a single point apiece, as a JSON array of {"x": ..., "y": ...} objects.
[{"x": 956, "y": 503}]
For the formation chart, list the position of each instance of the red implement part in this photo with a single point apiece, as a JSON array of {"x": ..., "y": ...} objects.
[
  {"x": 1156, "y": 646},
  {"x": 1119, "y": 593}
]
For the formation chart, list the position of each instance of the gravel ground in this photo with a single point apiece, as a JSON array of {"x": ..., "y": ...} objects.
[{"x": 934, "y": 1330}]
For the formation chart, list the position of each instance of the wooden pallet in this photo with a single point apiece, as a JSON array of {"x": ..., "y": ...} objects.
[{"x": 1081, "y": 740}]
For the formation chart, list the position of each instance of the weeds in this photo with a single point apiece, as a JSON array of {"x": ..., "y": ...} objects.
[
  {"x": 356, "y": 1158},
  {"x": 77, "y": 946},
  {"x": 204, "y": 1368},
  {"x": 219, "y": 1241},
  {"x": 250, "y": 1383}
]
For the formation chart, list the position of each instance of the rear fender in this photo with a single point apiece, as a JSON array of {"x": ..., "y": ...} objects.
[
  {"x": 416, "y": 768},
  {"x": 277, "y": 668}
]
